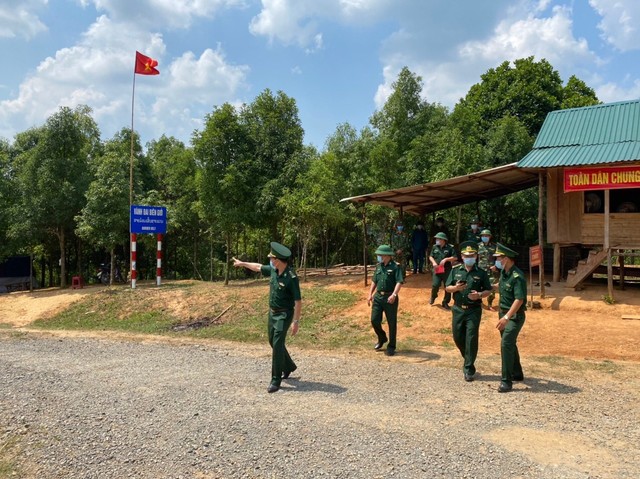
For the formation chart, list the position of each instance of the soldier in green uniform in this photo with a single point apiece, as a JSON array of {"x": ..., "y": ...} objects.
[
  {"x": 486, "y": 249},
  {"x": 513, "y": 304},
  {"x": 285, "y": 307},
  {"x": 473, "y": 233},
  {"x": 469, "y": 284},
  {"x": 400, "y": 243},
  {"x": 385, "y": 286},
  {"x": 441, "y": 257}
]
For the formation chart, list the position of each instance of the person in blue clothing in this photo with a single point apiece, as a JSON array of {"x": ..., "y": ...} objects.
[{"x": 419, "y": 246}]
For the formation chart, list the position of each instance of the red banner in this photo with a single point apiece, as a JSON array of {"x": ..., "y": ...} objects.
[
  {"x": 535, "y": 256},
  {"x": 601, "y": 178}
]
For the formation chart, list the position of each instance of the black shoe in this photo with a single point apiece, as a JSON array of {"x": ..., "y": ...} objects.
[
  {"x": 379, "y": 344},
  {"x": 273, "y": 388},
  {"x": 390, "y": 351},
  {"x": 446, "y": 306},
  {"x": 468, "y": 377},
  {"x": 518, "y": 377},
  {"x": 431, "y": 302},
  {"x": 504, "y": 388}
]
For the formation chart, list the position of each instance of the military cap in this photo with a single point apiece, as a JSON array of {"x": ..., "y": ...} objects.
[
  {"x": 384, "y": 250},
  {"x": 279, "y": 251},
  {"x": 502, "y": 250},
  {"x": 441, "y": 236},
  {"x": 485, "y": 233},
  {"x": 468, "y": 247},
  {"x": 475, "y": 220}
]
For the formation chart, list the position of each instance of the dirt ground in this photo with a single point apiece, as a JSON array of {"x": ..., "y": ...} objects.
[{"x": 573, "y": 324}]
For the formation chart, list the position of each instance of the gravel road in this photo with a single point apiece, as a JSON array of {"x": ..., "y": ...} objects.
[{"x": 86, "y": 407}]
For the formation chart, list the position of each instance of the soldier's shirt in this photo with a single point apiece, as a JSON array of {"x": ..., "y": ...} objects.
[
  {"x": 477, "y": 280},
  {"x": 441, "y": 252},
  {"x": 485, "y": 255},
  {"x": 284, "y": 289},
  {"x": 473, "y": 235},
  {"x": 400, "y": 241},
  {"x": 513, "y": 285},
  {"x": 386, "y": 277}
]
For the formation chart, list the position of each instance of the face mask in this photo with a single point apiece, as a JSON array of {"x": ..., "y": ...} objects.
[
  {"x": 439, "y": 242},
  {"x": 485, "y": 239},
  {"x": 419, "y": 227},
  {"x": 379, "y": 259},
  {"x": 439, "y": 224},
  {"x": 469, "y": 261},
  {"x": 474, "y": 227},
  {"x": 499, "y": 264},
  {"x": 272, "y": 264},
  {"x": 400, "y": 228}
]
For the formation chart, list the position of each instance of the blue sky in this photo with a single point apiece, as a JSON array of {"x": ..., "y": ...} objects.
[{"x": 336, "y": 58}]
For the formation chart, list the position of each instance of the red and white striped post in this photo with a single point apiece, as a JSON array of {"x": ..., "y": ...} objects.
[
  {"x": 134, "y": 272},
  {"x": 159, "y": 261}
]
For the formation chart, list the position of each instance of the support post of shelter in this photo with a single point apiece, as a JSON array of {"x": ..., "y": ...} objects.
[
  {"x": 134, "y": 272},
  {"x": 557, "y": 252},
  {"x": 364, "y": 241},
  {"x": 159, "y": 261},
  {"x": 607, "y": 246},
  {"x": 541, "y": 194}
]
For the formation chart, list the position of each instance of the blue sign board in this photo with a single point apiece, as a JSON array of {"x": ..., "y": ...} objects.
[{"x": 148, "y": 219}]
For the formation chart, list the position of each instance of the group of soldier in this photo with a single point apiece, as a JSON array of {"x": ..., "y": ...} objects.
[
  {"x": 468, "y": 282},
  {"x": 482, "y": 268}
]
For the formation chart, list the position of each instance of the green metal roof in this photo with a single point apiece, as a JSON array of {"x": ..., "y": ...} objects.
[{"x": 608, "y": 133}]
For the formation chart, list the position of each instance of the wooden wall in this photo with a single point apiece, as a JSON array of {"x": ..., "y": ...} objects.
[{"x": 568, "y": 224}]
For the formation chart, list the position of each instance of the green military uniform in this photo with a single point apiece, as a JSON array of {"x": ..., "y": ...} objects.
[
  {"x": 513, "y": 286},
  {"x": 471, "y": 234},
  {"x": 284, "y": 291},
  {"x": 467, "y": 313},
  {"x": 400, "y": 244},
  {"x": 486, "y": 261},
  {"x": 438, "y": 253},
  {"x": 385, "y": 279}
]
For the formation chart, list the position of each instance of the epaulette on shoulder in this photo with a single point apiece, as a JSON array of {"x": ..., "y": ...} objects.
[
  {"x": 458, "y": 265},
  {"x": 516, "y": 274}
]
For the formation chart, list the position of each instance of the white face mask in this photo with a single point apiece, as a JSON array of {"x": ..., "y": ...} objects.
[
  {"x": 474, "y": 227},
  {"x": 469, "y": 261},
  {"x": 499, "y": 264},
  {"x": 379, "y": 259},
  {"x": 439, "y": 242}
]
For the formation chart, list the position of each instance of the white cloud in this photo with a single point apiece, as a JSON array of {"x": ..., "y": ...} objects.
[
  {"x": 619, "y": 25},
  {"x": 295, "y": 22},
  {"x": 161, "y": 13},
  {"x": 98, "y": 71},
  {"x": 22, "y": 19}
]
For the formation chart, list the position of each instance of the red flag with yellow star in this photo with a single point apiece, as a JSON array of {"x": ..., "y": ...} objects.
[{"x": 146, "y": 65}]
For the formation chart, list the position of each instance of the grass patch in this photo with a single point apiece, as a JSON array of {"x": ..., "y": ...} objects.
[
  {"x": 5, "y": 326},
  {"x": 157, "y": 310},
  {"x": 8, "y": 452}
]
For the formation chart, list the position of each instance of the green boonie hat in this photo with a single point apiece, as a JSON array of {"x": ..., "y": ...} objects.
[
  {"x": 474, "y": 220},
  {"x": 384, "y": 250},
  {"x": 468, "y": 247},
  {"x": 441, "y": 236},
  {"x": 502, "y": 250},
  {"x": 485, "y": 233},
  {"x": 279, "y": 251}
]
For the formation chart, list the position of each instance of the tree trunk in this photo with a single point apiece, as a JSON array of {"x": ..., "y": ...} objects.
[
  {"x": 227, "y": 237},
  {"x": 63, "y": 259},
  {"x": 113, "y": 265}
]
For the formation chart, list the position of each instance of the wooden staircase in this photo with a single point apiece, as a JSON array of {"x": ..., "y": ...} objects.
[{"x": 585, "y": 267}]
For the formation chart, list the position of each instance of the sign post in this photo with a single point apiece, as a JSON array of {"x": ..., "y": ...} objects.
[{"x": 147, "y": 219}]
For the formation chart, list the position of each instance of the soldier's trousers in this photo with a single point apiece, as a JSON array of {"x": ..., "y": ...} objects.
[
  {"x": 509, "y": 348},
  {"x": 465, "y": 326},
  {"x": 279, "y": 323},
  {"x": 436, "y": 281},
  {"x": 381, "y": 305}
]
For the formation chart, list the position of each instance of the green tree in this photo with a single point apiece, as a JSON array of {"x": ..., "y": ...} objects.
[
  {"x": 54, "y": 175},
  {"x": 225, "y": 179},
  {"x": 104, "y": 220},
  {"x": 577, "y": 94},
  {"x": 174, "y": 172}
]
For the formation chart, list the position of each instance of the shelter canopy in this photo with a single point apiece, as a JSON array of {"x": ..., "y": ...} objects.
[{"x": 429, "y": 197}]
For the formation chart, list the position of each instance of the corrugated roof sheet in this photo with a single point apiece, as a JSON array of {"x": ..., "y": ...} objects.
[
  {"x": 608, "y": 133},
  {"x": 422, "y": 199}
]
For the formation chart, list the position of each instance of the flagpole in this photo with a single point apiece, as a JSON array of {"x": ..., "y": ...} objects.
[{"x": 131, "y": 238}]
